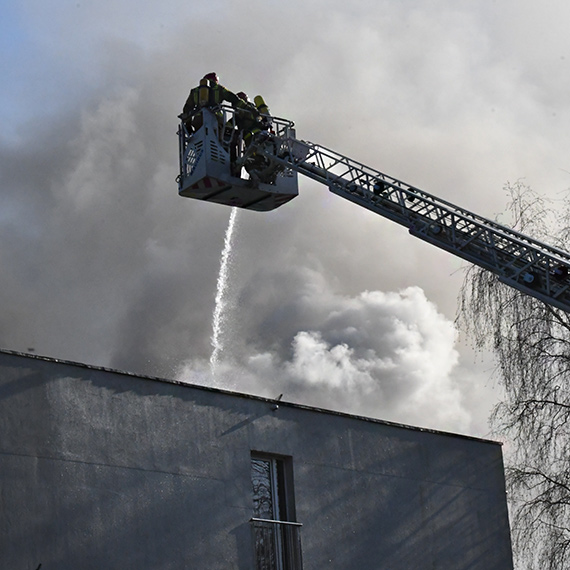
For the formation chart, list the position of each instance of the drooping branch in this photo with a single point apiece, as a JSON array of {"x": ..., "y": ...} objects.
[{"x": 531, "y": 345}]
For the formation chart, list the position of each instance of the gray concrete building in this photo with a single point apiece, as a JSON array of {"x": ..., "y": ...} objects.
[{"x": 101, "y": 469}]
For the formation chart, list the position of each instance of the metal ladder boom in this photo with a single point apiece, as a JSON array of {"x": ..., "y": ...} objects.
[{"x": 524, "y": 263}]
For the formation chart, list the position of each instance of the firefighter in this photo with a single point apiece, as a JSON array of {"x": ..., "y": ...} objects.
[
  {"x": 252, "y": 125},
  {"x": 208, "y": 94},
  {"x": 246, "y": 117}
]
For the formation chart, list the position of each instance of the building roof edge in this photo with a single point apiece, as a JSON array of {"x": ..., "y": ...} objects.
[{"x": 243, "y": 395}]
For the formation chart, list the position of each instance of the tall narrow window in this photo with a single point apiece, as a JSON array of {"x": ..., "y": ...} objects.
[{"x": 276, "y": 535}]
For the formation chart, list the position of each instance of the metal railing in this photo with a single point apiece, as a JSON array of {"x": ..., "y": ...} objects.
[
  {"x": 277, "y": 544},
  {"x": 228, "y": 132}
]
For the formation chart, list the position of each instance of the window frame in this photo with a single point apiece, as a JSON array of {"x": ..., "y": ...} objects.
[{"x": 282, "y": 530}]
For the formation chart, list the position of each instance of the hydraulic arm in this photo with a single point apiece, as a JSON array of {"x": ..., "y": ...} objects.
[{"x": 519, "y": 261}]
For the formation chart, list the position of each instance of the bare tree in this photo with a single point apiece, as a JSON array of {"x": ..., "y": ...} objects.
[{"x": 531, "y": 344}]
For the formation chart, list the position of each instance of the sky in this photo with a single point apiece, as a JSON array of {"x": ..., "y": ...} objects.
[{"x": 327, "y": 303}]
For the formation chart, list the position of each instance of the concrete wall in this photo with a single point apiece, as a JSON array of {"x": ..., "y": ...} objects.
[{"x": 100, "y": 469}]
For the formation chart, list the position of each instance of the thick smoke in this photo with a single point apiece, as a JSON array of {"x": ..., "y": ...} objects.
[
  {"x": 389, "y": 355},
  {"x": 103, "y": 263}
]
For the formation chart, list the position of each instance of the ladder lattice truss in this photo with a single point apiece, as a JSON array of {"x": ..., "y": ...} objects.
[{"x": 519, "y": 261}]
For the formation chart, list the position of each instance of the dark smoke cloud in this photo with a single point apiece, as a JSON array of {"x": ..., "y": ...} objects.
[{"x": 102, "y": 262}]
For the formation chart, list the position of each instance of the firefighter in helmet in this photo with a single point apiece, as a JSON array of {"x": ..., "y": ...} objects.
[
  {"x": 218, "y": 93},
  {"x": 210, "y": 93},
  {"x": 253, "y": 125}
]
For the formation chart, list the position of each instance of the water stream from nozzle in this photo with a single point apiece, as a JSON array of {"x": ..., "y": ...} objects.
[{"x": 219, "y": 318}]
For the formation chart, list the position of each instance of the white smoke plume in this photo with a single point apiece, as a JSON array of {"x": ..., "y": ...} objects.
[{"x": 389, "y": 355}]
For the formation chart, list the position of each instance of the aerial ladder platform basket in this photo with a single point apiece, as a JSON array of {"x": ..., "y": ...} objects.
[{"x": 215, "y": 164}]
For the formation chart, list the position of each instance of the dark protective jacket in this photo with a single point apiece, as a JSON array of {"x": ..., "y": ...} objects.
[
  {"x": 192, "y": 102},
  {"x": 218, "y": 94}
]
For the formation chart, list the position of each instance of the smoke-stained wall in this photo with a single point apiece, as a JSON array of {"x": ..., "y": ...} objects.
[{"x": 102, "y": 469}]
